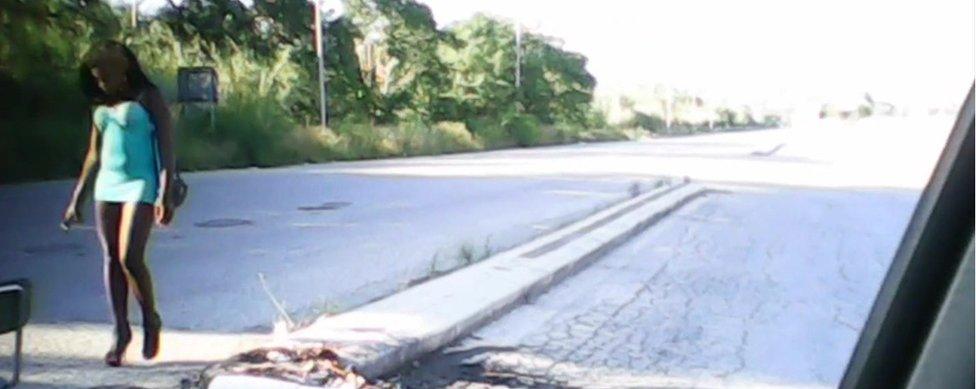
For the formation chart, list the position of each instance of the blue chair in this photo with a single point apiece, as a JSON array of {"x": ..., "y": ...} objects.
[{"x": 14, "y": 313}]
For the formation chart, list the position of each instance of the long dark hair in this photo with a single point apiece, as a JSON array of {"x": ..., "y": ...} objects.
[{"x": 98, "y": 54}]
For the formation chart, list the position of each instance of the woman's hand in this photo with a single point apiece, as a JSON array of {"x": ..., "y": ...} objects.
[
  {"x": 164, "y": 212},
  {"x": 71, "y": 216}
]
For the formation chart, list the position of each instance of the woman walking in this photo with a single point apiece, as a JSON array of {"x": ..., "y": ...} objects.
[{"x": 131, "y": 147}]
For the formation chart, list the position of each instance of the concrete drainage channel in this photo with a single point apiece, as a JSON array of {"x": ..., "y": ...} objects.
[{"x": 379, "y": 337}]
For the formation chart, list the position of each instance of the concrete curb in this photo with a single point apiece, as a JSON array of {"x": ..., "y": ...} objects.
[{"x": 381, "y": 336}]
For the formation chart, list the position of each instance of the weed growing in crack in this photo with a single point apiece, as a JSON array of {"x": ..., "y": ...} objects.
[{"x": 635, "y": 189}]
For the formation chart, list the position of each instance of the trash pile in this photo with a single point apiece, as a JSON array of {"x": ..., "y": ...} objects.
[{"x": 307, "y": 365}]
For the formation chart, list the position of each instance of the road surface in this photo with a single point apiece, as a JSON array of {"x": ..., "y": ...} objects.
[
  {"x": 747, "y": 288},
  {"x": 766, "y": 283},
  {"x": 331, "y": 236},
  {"x": 322, "y": 241}
]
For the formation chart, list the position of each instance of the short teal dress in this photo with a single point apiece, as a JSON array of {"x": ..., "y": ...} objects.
[{"x": 128, "y": 162}]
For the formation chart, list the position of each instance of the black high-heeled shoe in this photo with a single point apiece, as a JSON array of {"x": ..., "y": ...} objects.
[
  {"x": 150, "y": 343},
  {"x": 114, "y": 355}
]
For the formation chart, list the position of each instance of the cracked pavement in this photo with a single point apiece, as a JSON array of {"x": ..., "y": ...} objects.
[{"x": 758, "y": 287}]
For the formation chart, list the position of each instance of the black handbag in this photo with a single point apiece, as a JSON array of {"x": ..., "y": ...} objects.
[{"x": 178, "y": 189}]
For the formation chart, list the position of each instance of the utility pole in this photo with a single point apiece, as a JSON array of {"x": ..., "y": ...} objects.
[
  {"x": 134, "y": 13},
  {"x": 518, "y": 54},
  {"x": 319, "y": 52},
  {"x": 669, "y": 109}
]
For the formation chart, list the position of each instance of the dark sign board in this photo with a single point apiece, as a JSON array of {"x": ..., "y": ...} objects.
[{"x": 197, "y": 85}]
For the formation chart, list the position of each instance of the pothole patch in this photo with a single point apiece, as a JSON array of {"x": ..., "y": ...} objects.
[
  {"x": 223, "y": 223},
  {"x": 327, "y": 206}
]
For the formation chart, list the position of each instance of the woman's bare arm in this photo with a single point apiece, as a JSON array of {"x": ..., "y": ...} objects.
[
  {"x": 164, "y": 138},
  {"x": 87, "y": 167}
]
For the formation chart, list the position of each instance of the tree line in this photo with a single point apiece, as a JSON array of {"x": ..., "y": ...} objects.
[{"x": 397, "y": 84}]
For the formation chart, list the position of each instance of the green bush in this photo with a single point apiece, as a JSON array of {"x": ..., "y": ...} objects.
[
  {"x": 490, "y": 133},
  {"x": 609, "y": 134},
  {"x": 649, "y": 122},
  {"x": 524, "y": 129},
  {"x": 353, "y": 140},
  {"x": 452, "y": 137}
]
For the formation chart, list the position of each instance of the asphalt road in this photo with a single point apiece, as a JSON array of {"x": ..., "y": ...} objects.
[
  {"x": 328, "y": 237},
  {"x": 764, "y": 283},
  {"x": 322, "y": 241}
]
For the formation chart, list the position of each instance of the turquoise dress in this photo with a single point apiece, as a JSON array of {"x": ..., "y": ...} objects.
[{"x": 128, "y": 164}]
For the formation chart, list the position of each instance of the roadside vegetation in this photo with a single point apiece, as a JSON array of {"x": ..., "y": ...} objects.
[
  {"x": 664, "y": 110},
  {"x": 397, "y": 84}
]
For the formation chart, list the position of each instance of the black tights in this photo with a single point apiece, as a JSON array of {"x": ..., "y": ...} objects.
[{"x": 123, "y": 229}]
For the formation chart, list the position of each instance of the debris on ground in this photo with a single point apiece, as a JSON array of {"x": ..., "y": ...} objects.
[{"x": 306, "y": 365}]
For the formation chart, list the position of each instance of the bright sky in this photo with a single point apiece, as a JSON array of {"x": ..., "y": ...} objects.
[
  {"x": 916, "y": 52},
  {"x": 828, "y": 48}
]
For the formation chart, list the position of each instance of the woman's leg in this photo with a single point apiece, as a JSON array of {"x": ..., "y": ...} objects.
[
  {"x": 134, "y": 229},
  {"x": 108, "y": 216}
]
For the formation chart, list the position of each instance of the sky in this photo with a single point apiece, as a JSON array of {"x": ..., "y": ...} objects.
[{"x": 909, "y": 52}]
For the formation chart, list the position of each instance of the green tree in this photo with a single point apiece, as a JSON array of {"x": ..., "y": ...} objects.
[
  {"x": 481, "y": 58},
  {"x": 42, "y": 112},
  {"x": 398, "y": 54},
  {"x": 557, "y": 87}
]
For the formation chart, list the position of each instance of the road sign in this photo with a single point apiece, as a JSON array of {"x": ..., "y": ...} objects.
[{"x": 197, "y": 85}]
